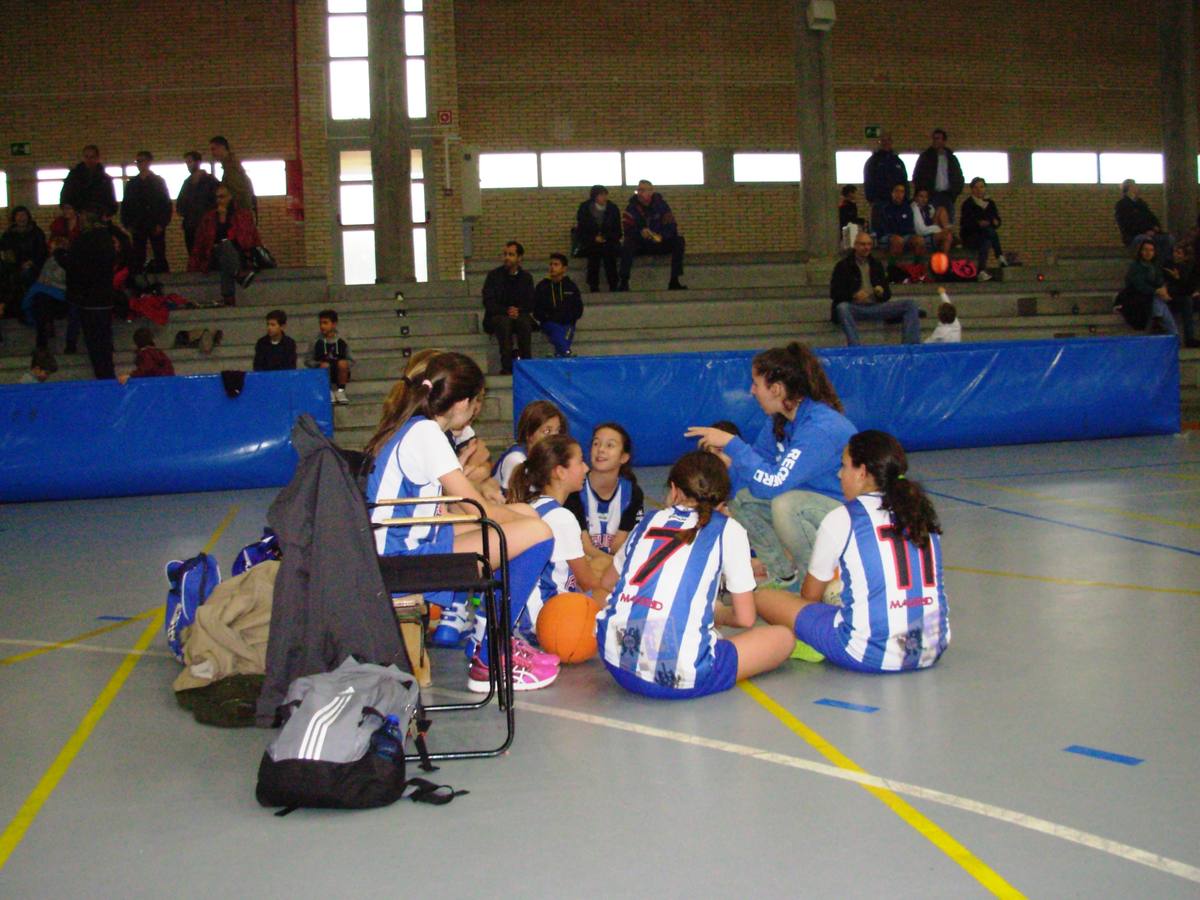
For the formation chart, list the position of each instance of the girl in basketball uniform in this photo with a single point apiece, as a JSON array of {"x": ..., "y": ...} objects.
[
  {"x": 554, "y": 470},
  {"x": 412, "y": 458},
  {"x": 610, "y": 502},
  {"x": 539, "y": 419},
  {"x": 658, "y": 630},
  {"x": 887, "y": 542}
]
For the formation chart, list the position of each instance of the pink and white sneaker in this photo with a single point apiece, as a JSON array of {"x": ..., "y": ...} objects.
[
  {"x": 522, "y": 649},
  {"x": 526, "y": 677}
]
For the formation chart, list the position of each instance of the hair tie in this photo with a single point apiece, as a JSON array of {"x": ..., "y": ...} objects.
[{"x": 427, "y": 383}]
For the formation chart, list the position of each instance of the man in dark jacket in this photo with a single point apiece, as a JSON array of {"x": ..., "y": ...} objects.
[
  {"x": 598, "y": 237},
  {"x": 146, "y": 212},
  {"x": 1136, "y": 220},
  {"x": 883, "y": 170},
  {"x": 197, "y": 195},
  {"x": 508, "y": 306},
  {"x": 938, "y": 172},
  {"x": 859, "y": 291},
  {"x": 87, "y": 184},
  {"x": 558, "y": 305},
  {"x": 89, "y": 266},
  {"x": 650, "y": 227}
]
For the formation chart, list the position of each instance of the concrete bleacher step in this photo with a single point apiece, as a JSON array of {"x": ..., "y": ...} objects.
[{"x": 271, "y": 288}]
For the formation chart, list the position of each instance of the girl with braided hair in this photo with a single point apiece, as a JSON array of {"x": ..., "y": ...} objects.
[
  {"x": 786, "y": 481},
  {"x": 658, "y": 629},
  {"x": 886, "y": 540}
]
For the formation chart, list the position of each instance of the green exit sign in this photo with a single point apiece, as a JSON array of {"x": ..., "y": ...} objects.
[
  {"x": 20, "y": 148},
  {"x": 873, "y": 132}
]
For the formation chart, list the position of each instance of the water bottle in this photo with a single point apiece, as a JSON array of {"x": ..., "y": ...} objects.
[{"x": 388, "y": 741}]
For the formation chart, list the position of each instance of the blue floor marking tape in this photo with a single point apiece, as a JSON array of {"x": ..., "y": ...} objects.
[
  {"x": 1025, "y": 515},
  {"x": 114, "y": 618},
  {"x": 842, "y": 704},
  {"x": 1104, "y": 755}
]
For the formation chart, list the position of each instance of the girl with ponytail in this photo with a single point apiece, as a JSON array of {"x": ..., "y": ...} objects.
[
  {"x": 786, "y": 481},
  {"x": 412, "y": 459},
  {"x": 886, "y": 542},
  {"x": 658, "y": 630}
]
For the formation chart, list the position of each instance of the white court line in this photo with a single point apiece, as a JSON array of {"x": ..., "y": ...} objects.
[
  {"x": 1032, "y": 823},
  {"x": 89, "y": 648}
]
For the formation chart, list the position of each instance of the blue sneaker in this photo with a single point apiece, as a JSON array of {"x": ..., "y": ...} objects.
[{"x": 454, "y": 625}]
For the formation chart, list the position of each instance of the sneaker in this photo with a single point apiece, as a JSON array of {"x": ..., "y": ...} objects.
[
  {"x": 983, "y": 276},
  {"x": 522, "y": 649},
  {"x": 217, "y": 337},
  {"x": 524, "y": 677},
  {"x": 1003, "y": 261},
  {"x": 454, "y": 625},
  {"x": 789, "y": 583},
  {"x": 339, "y": 396},
  {"x": 676, "y": 286},
  {"x": 245, "y": 277},
  {"x": 806, "y": 653}
]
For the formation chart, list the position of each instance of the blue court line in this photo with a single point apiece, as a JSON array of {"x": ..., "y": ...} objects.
[
  {"x": 114, "y": 618},
  {"x": 1104, "y": 755},
  {"x": 994, "y": 475},
  {"x": 1025, "y": 515},
  {"x": 842, "y": 704}
]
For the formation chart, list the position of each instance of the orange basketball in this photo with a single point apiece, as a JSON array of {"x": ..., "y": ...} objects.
[
  {"x": 566, "y": 627},
  {"x": 939, "y": 262}
]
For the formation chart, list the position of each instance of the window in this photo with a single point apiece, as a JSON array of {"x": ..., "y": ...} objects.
[
  {"x": 358, "y": 256},
  {"x": 267, "y": 176},
  {"x": 910, "y": 162},
  {"x": 766, "y": 167},
  {"x": 349, "y": 90},
  {"x": 414, "y": 49},
  {"x": 347, "y": 6},
  {"x": 174, "y": 174},
  {"x": 664, "y": 167},
  {"x": 508, "y": 170},
  {"x": 3, "y": 189},
  {"x": 1064, "y": 168},
  {"x": 348, "y": 36},
  {"x": 580, "y": 169},
  {"x": 849, "y": 165},
  {"x": 991, "y": 167},
  {"x": 357, "y": 204},
  {"x": 49, "y": 186},
  {"x": 355, "y": 165},
  {"x": 420, "y": 236},
  {"x": 1144, "y": 168},
  {"x": 118, "y": 180}
]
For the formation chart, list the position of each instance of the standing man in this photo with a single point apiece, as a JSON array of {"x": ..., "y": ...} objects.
[
  {"x": 598, "y": 237},
  {"x": 197, "y": 195},
  {"x": 508, "y": 306},
  {"x": 558, "y": 305},
  {"x": 146, "y": 212},
  {"x": 938, "y": 172},
  {"x": 650, "y": 228},
  {"x": 87, "y": 184},
  {"x": 233, "y": 176},
  {"x": 89, "y": 266},
  {"x": 860, "y": 292},
  {"x": 883, "y": 170}
]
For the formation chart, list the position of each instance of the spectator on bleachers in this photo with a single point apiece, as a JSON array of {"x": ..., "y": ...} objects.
[
  {"x": 332, "y": 353},
  {"x": 225, "y": 234},
  {"x": 897, "y": 232},
  {"x": 1135, "y": 220},
  {"x": 558, "y": 305},
  {"x": 848, "y": 208},
  {"x": 47, "y": 299},
  {"x": 508, "y": 306},
  {"x": 650, "y": 228},
  {"x": 938, "y": 172},
  {"x": 977, "y": 224},
  {"x": 926, "y": 217},
  {"x": 859, "y": 291},
  {"x": 883, "y": 170},
  {"x": 22, "y": 252},
  {"x": 598, "y": 236},
  {"x": 275, "y": 351},
  {"x": 150, "y": 362},
  {"x": 948, "y": 329},
  {"x": 65, "y": 224},
  {"x": 88, "y": 185},
  {"x": 41, "y": 366},
  {"x": 146, "y": 212},
  {"x": 197, "y": 195},
  {"x": 90, "y": 264},
  {"x": 1143, "y": 303},
  {"x": 1181, "y": 282},
  {"x": 233, "y": 175}
]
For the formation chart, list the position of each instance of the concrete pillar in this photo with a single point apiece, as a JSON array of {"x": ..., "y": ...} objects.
[
  {"x": 1177, "y": 31},
  {"x": 814, "y": 107},
  {"x": 391, "y": 160}
]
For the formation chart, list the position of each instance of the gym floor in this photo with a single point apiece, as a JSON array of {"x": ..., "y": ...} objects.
[{"x": 1054, "y": 751}]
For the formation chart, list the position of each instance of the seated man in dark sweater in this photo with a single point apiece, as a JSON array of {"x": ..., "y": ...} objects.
[
  {"x": 508, "y": 306},
  {"x": 897, "y": 232},
  {"x": 1135, "y": 219},
  {"x": 275, "y": 350},
  {"x": 650, "y": 227},
  {"x": 860, "y": 292}
]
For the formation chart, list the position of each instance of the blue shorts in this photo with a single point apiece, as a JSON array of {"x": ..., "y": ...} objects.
[
  {"x": 721, "y": 677},
  {"x": 814, "y": 626}
]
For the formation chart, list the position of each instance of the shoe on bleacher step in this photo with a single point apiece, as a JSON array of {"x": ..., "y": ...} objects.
[{"x": 983, "y": 275}]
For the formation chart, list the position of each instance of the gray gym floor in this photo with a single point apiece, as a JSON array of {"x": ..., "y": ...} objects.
[{"x": 1075, "y": 608}]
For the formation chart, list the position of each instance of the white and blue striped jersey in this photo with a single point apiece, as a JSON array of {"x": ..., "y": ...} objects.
[
  {"x": 409, "y": 465},
  {"x": 894, "y": 614},
  {"x": 509, "y": 460},
  {"x": 603, "y": 517},
  {"x": 557, "y": 577},
  {"x": 658, "y": 624}
]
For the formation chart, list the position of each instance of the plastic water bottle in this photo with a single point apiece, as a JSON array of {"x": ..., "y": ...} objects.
[{"x": 387, "y": 741}]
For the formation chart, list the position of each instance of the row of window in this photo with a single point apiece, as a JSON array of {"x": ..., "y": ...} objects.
[
  {"x": 268, "y": 177},
  {"x": 683, "y": 167},
  {"x": 349, "y": 74}
]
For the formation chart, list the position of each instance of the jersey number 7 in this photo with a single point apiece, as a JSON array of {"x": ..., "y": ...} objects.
[
  {"x": 657, "y": 559},
  {"x": 889, "y": 534}
]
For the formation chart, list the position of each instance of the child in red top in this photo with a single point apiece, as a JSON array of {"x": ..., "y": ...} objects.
[{"x": 150, "y": 360}]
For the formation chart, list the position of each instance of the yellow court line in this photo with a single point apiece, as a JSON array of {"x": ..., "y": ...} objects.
[
  {"x": 45, "y": 787},
  {"x": 1178, "y": 475},
  {"x": 220, "y": 530},
  {"x": 1079, "y": 582},
  {"x": 924, "y": 826},
  {"x": 1082, "y": 504}
]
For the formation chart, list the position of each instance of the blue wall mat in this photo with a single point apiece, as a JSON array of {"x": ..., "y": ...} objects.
[
  {"x": 76, "y": 439},
  {"x": 930, "y": 397}
]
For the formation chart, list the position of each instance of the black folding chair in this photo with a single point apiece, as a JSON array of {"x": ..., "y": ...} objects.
[{"x": 473, "y": 572}]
